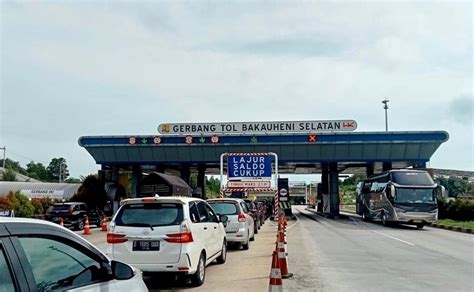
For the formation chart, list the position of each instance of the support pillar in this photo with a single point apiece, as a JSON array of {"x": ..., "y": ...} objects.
[
  {"x": 369, "y": 169},
  {"x": 333, "y": 189},
  {"x": 136, "y": 178},
  {"x": 324, "y": 187},
  {"x": 386, "y": 166},
  {"x": 201, "y": 180},
  {"x": 185, "y": 174},
  {"x": 421, "y": 165}
]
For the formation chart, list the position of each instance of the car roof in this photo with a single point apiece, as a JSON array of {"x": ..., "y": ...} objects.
[
  {"x": 49, "y": 225},
  {"x": 68, "y": 203},
  {"x": 237, "y": 200},
  {"x": 158, "y": 199}
]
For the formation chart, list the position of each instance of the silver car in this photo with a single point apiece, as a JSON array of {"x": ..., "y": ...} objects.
[{"x": 240, "y": 224}]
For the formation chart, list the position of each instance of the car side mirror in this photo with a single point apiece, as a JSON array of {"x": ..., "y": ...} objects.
[
  {"x": 121, "y": 271},
  {"x": 223, "y": 218}
]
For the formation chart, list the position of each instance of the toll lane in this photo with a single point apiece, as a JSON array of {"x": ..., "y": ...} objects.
[{"x": 351, "y": 255}]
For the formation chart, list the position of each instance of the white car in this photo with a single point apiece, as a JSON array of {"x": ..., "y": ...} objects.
[
  {"x": 168, "y": 234},
  {"x": 37, "y": 255},
  {"x": 240, "y": 224}
]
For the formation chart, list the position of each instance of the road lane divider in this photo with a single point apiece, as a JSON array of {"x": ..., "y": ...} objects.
[
  {"x": 393, "y": 237},
  {"x": 282, "y": 256},
  {"x": 275, "y": 284}
]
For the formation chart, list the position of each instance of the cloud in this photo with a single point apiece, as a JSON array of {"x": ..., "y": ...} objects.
[
  {"x": 461, "y": 110},
  {"x": 95, "y": 68}
]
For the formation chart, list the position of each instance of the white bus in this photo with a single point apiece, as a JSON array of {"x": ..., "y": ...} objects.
[{"x": 405, "y": 196}]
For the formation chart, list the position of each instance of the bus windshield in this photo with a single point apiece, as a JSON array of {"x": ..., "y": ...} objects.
[{"x": 410, "y": 195}]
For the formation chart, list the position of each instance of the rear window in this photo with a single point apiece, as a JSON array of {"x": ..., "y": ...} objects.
[
  {"x": 59, "y": 208},
  {"x": 224, "y": 208},
  {"x": 154, "y": 214}
]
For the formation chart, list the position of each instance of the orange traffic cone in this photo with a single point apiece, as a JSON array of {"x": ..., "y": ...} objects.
[
  {"x": 87, "y": 228},
  {"x": 104, "y": 224},
  {"x": 275, "y": 275},
  {"x": 282, "y": 257},
  {"x": 61, "y": 221}
]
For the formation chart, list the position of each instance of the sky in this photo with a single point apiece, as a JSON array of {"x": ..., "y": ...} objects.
[{"x": 75, "y": 68}]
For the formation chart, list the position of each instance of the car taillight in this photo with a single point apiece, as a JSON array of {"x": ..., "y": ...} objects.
[
  {"x": 116, "y": 238},
  {"x": 184, "y": 236},
  {"x": 241, "y": 217},
  {"x": 149, "y": 200}
]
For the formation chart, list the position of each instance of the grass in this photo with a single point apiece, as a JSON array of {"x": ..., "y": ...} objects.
[
  {"x": 348, "y": 208},
  {"x": 450, "y": 222}
]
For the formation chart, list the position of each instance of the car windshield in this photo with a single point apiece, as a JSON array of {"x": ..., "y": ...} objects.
[
  {"x": 146, "y": 214},
  {"x": 409, "y": 195},
  {"x": 224, "y": 208}
]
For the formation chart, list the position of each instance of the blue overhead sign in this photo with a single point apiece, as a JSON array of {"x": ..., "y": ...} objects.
[{"x": 249, "y": 166}]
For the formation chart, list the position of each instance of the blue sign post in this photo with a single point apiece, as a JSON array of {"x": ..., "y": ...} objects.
[{"x": 249, "y": 166}]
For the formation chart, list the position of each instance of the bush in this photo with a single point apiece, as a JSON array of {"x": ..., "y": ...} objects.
[
  {"x": 460, "y": 209},
  {"x": 5, "y": 204},
  {"x": 21, "y": 204}
]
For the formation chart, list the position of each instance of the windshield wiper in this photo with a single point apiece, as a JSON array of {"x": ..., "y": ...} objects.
[{"x": 140, "y": 225}]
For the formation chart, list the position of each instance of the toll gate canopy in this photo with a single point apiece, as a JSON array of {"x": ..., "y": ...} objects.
[
  {"x": 296, "y": 153},
  {"x": 328, "y": 153}
]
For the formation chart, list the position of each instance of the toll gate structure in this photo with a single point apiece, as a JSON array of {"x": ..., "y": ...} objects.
[{"x": 328, "y": 154}]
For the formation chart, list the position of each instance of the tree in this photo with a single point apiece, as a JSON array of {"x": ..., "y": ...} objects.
[
  {"x": 9, "y": 175},
  {"x": 455, "y": 186},
  {"x": 37, "y": 171},
  {"x": 213, "y": 185},
  {"x": 13, "y": 165},
  {"x": 56, "y": 168},
  {"x": 21, "y": 204},
  {"x": 92, "y": 192}
]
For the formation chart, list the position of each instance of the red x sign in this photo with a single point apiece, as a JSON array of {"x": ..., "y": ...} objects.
[{"x": 312, "y": 138}]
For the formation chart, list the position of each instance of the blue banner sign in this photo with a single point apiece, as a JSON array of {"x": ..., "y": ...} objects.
[{"x": 249, "y": 166}]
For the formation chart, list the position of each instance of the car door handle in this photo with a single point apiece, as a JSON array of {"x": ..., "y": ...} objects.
[
  {"x": 215, "y": 227},
  {"x": 205, "y": 228}
]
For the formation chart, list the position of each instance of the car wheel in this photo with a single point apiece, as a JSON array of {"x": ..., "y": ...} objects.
[
  {"x": 198, "y": 278},
  {"x": 384, "y": 219},
  {"x": 80, "y": 225},
  {"x": 255, "y": 229},
  {"x": 420, "y": 226},
  {"x": 222, "y": 258},
  {"x": 245, "y": 246}
]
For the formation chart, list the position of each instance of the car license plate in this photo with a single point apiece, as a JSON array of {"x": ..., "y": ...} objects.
[{"x": 141, "y": 245}]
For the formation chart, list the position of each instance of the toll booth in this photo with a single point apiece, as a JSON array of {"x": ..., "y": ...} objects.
[
  {"x": 284, "y": 196},
  {"x": 163, "y": 185}
]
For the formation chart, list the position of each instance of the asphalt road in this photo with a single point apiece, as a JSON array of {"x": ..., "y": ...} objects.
[
  {"x": 352, "y": 255},
  {"x": 244, "y": 270}
]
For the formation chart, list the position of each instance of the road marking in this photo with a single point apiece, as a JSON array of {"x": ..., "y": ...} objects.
[{"x": 392, "y": 237}]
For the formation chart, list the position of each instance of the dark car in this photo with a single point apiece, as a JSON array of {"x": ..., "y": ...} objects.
[
  {"x": 73, "y": 215},
  {"x": 261, "y": 208},
  {"x": 253, "y": 211}
]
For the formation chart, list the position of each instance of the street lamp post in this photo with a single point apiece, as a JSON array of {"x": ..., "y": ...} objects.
[
  {"x": 385, "y": 107},
  {"x": 4, "y": 150}
]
